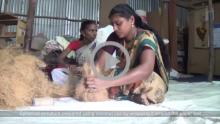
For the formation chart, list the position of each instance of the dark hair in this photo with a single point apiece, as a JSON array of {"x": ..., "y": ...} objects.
[
  {"x": 84, "y": 25},
  {"x": 124, "y": 10}
]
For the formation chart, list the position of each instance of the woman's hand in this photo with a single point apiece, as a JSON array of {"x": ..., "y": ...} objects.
[{"x": 94, "y": 84}]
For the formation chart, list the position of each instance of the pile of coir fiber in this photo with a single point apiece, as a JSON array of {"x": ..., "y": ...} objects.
[{"x": 21, "y": 80}]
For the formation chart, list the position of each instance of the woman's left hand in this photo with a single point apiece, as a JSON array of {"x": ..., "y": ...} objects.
[{"x": 95, "y": 84}]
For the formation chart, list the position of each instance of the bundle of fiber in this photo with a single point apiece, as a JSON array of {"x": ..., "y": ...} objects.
[
  {"x": 82, "y": 92},
  {"x": 22, "y": 80},
  {"x": 7, "y": 54}
]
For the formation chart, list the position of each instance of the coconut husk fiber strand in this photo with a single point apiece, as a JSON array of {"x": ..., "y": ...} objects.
[
  {"x": 82, "y": 93},
  {"x": 21, "y": 80}
]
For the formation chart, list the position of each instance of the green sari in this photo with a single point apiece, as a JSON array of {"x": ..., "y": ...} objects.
[
  {"x": 147, "y": 38},
  {"x": 135, "y": 48}
]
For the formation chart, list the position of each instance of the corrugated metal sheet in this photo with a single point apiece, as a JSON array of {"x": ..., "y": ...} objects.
[
  {"x": 150, "y": 5},
  {"x": 72, "y": 9},
  {"x": 147, "y": 5},
  {"x": 83, "y": 9},
  {"x": 69, "y": 12},
  {"x": 1, "y": 7},
  {"x": 16, "y": 6},
  {"x": 53, "y": 8}
]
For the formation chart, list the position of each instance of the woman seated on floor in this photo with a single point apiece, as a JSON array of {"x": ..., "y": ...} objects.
[
  {"x": 88, "y": 32},
  {"x": 148, "y": 60}
]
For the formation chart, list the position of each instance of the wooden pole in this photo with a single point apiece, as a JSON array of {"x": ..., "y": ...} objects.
[
  {"x": 30, "y": 22},
  {"x": 172, "y": 33},
  {"x": 211, "y": 40}
]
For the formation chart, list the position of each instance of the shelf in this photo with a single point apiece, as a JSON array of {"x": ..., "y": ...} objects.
[{"x": 8, "y": 35}]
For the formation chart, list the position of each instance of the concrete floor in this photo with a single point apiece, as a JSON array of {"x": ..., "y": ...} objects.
[{"x": 189, "y": 95}]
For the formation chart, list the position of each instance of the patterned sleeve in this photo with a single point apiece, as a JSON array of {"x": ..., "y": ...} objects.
[{"x": 148, "y": 39}]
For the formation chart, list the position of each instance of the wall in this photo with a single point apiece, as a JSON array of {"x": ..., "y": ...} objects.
[
  {"x": 159, "y": 21},
  {"x": 107, "y": 5},
  {"x": 105, "y": 8},
  {"x": 147, "y": 5},
  {"x": 55, "y": 17},
  {"x": 68, "y": 14},
  {"x": 198, "y": 58}
]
